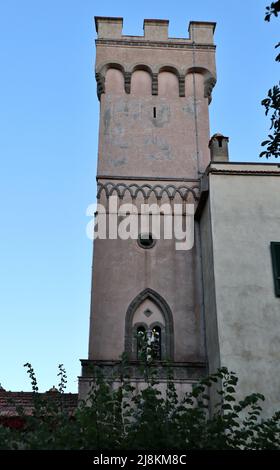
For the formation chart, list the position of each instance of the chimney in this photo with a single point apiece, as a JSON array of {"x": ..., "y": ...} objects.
[{"x": 218, "y": 145}]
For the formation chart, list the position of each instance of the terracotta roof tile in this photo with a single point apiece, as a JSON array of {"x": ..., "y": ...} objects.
[{"x": 10, "y": 401}]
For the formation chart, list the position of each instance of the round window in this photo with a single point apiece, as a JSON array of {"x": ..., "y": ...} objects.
[{"x": 146, "y": 240}]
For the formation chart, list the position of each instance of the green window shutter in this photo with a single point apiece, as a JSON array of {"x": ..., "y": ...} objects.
[{"x": 275, "y": 254}]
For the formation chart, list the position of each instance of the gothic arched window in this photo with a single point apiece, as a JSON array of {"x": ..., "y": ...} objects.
[
  {"x": 156, "y": 343},
  {"x": 148, "y": 343},
  {"x": 149, "y": 328},
  {"x": 141, "y": 337}
]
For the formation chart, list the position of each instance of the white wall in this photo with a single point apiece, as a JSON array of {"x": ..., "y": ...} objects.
[{"x": 245, "y": 218}]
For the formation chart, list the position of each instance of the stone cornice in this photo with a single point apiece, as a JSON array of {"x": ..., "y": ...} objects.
[
  {"x": 154, "y": 44},
  {"x": 186, "y": 372},
  {"x": 145, "y": 178},
  {"x": 216, "y": 171}
]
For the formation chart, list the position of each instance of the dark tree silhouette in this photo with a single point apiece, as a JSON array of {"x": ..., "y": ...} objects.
[{"x": 272, "y": 101}]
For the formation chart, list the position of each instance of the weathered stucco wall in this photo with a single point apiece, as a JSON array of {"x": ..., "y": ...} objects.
[
  {"x": 124, "y": 271},
  {"x": 154, "y": 135},
  {"x": 245, "y": 218},
  {"x": 154, "y": 94}
]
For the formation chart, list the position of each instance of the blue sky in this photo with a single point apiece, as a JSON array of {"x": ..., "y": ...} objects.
[{"x": 48, "y": 148}]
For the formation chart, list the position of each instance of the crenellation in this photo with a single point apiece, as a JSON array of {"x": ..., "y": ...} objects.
[
  {"x": 155, "y": 30},
  {"x": 155, "y": 53},
  {"x": 108, "y": 27},
  {"x": 202, "y": 32}
]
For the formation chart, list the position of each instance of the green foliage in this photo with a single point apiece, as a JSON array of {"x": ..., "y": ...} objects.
[
  {"x": 272, "y": 9},
  {"x": 123, "y": 417},
  {"x": 147, "y": 342},
  {"x": 272, "y": 101}
]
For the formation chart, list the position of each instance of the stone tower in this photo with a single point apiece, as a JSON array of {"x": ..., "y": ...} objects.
[{"x": 154, "y": 93}]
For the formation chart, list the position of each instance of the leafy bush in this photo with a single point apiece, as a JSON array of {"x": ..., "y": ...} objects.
[{"x": 124, "y": 418}]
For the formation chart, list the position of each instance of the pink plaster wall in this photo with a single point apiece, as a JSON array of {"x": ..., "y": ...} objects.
[{"x": 134, "y": 143}]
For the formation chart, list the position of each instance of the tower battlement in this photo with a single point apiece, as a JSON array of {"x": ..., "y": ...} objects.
[
  {"x": 155, "y": 52},
  {"x": 154, "y": 93},
  {"x": 200, "y": 32}
]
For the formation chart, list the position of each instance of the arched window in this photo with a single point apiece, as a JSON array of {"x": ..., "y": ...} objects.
[
  {"x": 156, "y": 343},
  {"x": 141, "y": 338},
  {"x": 148, "y": 343},
  {"x": 149, "y": 324}
]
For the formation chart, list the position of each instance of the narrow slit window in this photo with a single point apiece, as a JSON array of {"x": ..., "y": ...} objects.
[{"x": 155, "y": 112}]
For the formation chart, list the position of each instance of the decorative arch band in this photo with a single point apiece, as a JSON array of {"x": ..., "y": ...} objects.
[
  {"x": 209, "y": 78},
  {"x": 158, "y": 190}
]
